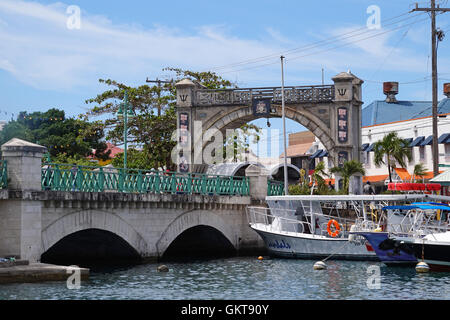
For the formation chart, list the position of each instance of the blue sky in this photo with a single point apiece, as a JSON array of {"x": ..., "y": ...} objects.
[{"x": 44, "y": 64}]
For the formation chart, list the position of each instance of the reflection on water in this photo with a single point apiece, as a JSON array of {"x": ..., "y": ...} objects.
[{"x": 243, "y": 278}]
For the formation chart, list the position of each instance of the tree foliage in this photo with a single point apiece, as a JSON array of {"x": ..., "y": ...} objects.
[
  {"x": 391, "y": 150},
  {"x": 347, "y": 170},
  {"x": 66, "y": 139},
  {"x": 150, "y": 130}
]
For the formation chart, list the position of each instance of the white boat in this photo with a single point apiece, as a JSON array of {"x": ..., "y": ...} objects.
[{"x": 317, "y": 227}]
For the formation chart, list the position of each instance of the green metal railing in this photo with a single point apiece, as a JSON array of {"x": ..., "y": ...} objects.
[
  {"x": 3, "y": 175},
  {"x": 275, "y": 188},
  {"x": 60, "y": 177}
]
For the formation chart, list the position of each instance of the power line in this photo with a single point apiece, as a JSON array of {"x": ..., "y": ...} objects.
[
  {"x": 315, "y": 44},
  {"x": 333, "y": 48}
]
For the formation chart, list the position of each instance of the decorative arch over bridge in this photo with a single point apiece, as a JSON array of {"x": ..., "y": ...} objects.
[{"x": 331, "y": 112}]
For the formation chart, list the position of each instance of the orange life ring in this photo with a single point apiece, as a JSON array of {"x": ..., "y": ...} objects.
[{"x": 336, "y": 227}]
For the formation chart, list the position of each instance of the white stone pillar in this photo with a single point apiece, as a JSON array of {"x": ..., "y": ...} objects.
[
  {"x": 21, "y": 234},
  {"x": 258, "y": 181}
]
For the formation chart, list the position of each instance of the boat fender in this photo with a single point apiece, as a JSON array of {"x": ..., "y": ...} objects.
[
  {"x": 319, "y": 265},
  {"x": 422, "y": 267},
  {"x": 351, "y": 236}
]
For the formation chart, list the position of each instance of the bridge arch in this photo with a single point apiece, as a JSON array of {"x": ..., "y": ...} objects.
[
  {"x": 192, "y": 219},
  {"x": 92, "y": 219},
  {"x": 233, "y": 119}
]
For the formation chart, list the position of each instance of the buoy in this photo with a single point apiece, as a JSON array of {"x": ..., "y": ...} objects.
[
  {"x": 163, "y": 268},
  {"x": 320, "y": 265},
  {"x": 260, "y": 258},
  {"x": 422, "y": 267}
]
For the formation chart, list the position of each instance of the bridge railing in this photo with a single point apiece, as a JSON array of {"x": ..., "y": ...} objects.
[
  {"x": 3, "y": 175},
  {"x": 61, "y": 177},
  {"x": 275, "y": 188}
]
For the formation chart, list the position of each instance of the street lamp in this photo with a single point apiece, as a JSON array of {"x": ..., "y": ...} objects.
[{"x": 125, "y": 114}]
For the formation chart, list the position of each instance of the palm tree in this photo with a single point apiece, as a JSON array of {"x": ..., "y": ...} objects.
[
  {"x": 391, "y": 150},
  {"x": 419, "y": 171},
  {"x": 349, "y": 169},
  {"x": 317, "y": 175}
]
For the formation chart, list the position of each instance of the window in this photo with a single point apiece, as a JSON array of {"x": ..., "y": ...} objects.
[
  {"x": 447, "y": 152},
  {"x": 412, "y": 155},
  {"x": 422, "y": 153},
  {"x": 367, "y": 159}
]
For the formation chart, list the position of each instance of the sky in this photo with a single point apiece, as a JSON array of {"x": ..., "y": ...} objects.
[{"x": 50, "y": 58}]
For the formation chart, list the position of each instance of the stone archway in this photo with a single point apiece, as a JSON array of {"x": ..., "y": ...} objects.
[
  {"x": 331, "y": 112},
  {"x": 192, "y": 219},
  {"x": 93, "y": 219}
]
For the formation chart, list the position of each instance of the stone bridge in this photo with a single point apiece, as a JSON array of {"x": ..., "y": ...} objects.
[{"x": 38, "y": 221}]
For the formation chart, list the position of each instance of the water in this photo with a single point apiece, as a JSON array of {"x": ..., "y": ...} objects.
[{"x": 244, "y": 278}]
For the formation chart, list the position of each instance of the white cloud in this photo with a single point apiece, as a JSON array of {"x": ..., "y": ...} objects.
[{"x": 38, "y": 49}]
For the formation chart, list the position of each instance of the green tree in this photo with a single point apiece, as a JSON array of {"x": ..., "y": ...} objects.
[
  {"x": 155, "y": 115},
  {"x": 419, "y": 171},
  {"x": 63, "y": 137},
  {"x": 317, "y": 178},
  {"x": 348, "y": 169},
  {"x": 391, "y": 150}
]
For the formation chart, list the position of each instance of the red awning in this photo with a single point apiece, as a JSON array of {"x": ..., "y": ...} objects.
[{"x": 414, "y": 186}]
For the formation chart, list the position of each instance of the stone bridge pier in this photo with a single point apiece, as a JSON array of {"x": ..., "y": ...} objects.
[{"x": 35, "y": 223}]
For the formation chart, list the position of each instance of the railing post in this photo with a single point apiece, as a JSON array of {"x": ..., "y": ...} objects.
[
  {"x": 203, "y": 184},
  {"x": 173, "y": 184},
  {"x": 121, "y": 180},
  {"x": 189, "y": 184},
  {"x": 139, "y": 182},
  {"x": 79, "y": 178},
  {"x": 101, "y": 180},
  {"x": 157, "y": 185},
  {"x": 217, "y": 187},
  {"x": 57, "y": 178}
]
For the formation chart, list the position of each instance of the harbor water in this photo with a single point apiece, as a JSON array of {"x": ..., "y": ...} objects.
[{"x": 244, "y": 278}]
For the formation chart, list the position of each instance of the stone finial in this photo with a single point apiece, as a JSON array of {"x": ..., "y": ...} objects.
[
  {"x": 185, "y": 83},
  {"x": 19, "y": 145},
  {"x": 185, "y": 92},
  {"x": 24, "y": 164}
]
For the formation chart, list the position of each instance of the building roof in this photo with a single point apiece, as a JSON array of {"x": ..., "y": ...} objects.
[
  {"x": 403, "y": 174},
  {"x": 379, "y": 112},
  {"x": 376, "y": 178},
  {"x": 297, "y": 150},
  {"x": 443, "y": 178}
]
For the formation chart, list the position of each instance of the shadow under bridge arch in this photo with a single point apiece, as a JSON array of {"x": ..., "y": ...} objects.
[
  {"x": 91, "y": 238},
  {"x": 197, "y": 234}
]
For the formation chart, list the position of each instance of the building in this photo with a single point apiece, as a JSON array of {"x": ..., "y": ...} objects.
[
  {"x": 412, "y": 120},
  {"x": 114, "y": 151}
]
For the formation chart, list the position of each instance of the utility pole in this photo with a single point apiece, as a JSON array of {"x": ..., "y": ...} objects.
[
  {"x": 159, "y": 91},
  {"x": 286, "y": 187},
  {"x": 435, "y": 147}
]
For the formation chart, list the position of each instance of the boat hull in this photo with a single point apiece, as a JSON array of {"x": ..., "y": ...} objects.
[
  {"x": 389, "y": 251},
  {"x": 436, "y": 255},
  {"x": 307, "y": 246}
]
